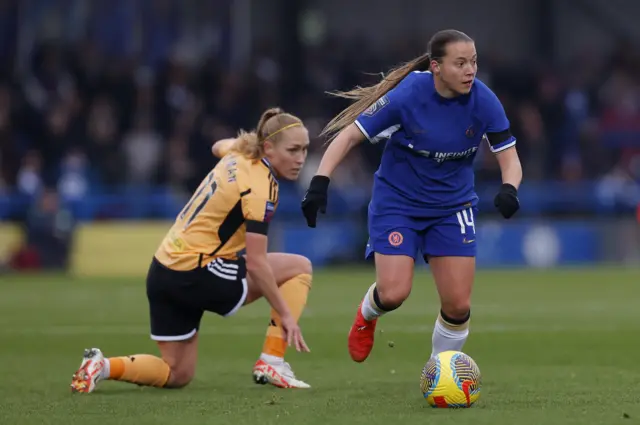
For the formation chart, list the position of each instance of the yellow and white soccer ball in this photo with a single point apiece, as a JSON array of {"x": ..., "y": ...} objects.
[{"x": 451, "y": 379}]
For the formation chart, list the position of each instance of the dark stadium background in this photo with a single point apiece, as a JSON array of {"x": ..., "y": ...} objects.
[{"x": 108, "y": 109}]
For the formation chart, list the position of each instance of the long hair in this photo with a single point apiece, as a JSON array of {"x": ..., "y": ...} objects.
[
  {"x": 364, "y": 97},
  {"x": 271, "y": 126}
]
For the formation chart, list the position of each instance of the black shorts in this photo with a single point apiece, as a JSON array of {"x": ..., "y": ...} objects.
[{"x": 178, "y": 299}]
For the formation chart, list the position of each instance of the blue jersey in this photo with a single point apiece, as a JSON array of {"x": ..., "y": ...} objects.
[{"x": 427, "y": 164}]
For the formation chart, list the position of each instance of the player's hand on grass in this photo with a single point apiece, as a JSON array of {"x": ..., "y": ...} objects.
[
  {"x": 507, "y": 200},
  {"x": 315, "y": 199},
  {"x": 293, "y": 334}
]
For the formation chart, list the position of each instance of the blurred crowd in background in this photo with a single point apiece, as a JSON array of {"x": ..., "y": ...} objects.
[
  {"x": 88, "y": 113},
  {"x": 108, "y": 110}
]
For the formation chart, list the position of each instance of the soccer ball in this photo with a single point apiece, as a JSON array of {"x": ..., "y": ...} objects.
[{"x": 451, "y": 379}]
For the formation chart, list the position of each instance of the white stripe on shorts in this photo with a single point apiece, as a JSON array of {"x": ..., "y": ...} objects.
[
  {"x": 173, "y": 338},
  {"x": 221, "y": 272},
  {"x": 226, "y": 265}
]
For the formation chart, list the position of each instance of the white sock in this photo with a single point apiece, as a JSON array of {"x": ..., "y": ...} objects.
[
  {"x": 446, "y": 339},
  {"x": 273, "y": 360},
  {"x": 369, "y": 309},
  {"x": 106, "y": 370}
]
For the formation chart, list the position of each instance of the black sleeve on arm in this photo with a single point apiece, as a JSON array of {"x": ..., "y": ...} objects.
[
  {"x": 260, "y": 227},
  {"x": 500, "y": 137}
]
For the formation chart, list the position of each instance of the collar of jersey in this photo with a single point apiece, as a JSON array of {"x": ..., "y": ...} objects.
[
  {"x": 458, "y": 99},
  {"x": 443, "y": 99},
  {"x": 267, "y": 164}
]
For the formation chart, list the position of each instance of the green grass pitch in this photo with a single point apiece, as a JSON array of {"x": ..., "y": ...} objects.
[{"x": 554, "y": 347}]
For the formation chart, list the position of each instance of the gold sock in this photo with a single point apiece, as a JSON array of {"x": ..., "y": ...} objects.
[
  {"x": 141, "y": 369},
  {"x": 294, "y": 292}
]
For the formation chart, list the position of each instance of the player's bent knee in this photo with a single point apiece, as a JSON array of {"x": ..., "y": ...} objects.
[
  {"x": 392, "y": 294},
  {"x": 303, "y": 265},
  {"x": 456, "y": 310},
  {"x": 180, "y": 378},
  {"x": 180, "y": 356},
  {"x": 287, "y": 266}
]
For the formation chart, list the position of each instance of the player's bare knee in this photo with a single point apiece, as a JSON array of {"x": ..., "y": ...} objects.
[
  {"x": 182, "y": 368},
  {"x": 303, "y": 265},
  {"x": 180, "y": 377},
  {"x": 392, "y": 294},
  {"x": 456, "y": 310}
]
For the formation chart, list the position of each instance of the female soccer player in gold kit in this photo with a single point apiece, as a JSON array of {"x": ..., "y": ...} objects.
[{"x": 199, "y": 266}]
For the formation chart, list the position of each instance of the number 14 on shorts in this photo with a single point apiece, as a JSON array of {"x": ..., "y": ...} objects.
[{"x": 467, "y": 225}]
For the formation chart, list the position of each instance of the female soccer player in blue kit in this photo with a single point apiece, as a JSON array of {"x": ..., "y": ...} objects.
[{"x": 433, "y": 114}]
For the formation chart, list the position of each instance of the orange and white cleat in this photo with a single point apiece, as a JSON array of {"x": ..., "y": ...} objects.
[
  {"x": 361, "y": 337},
  {"x": 90, "y": 372},
  {"x": 279, "y": 375}
]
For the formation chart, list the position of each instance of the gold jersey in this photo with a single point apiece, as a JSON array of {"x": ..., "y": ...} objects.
[{"x": 213, "y": 223}]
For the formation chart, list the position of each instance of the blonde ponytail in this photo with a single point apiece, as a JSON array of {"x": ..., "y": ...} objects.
[
  {"x": 247, "y": 145},
  {"x": 272, "y": 124},
  {"x": 366, "y": 96}
]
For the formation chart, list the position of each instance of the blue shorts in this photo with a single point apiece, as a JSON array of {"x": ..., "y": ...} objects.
[{"x": 451, "y": 236}]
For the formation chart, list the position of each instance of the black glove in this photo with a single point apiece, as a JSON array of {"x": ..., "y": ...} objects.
[
  {"x": 507, "y": 200},
  {"x": 315, "y": 199}
]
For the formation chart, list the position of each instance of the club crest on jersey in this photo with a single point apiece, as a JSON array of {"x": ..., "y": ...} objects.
[
  {"x": 395, "y": 238},
  {"x": 269, "y": 211},
  {"x": 471, "y": 132},
  {"x": 377, "y": 106}
]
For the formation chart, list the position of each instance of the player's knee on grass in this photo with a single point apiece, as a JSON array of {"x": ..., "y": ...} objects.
[
  {"x": 182, "y": 368},
  {"x": 180, "y": 376},
  {"x": 181, "y": 356}
]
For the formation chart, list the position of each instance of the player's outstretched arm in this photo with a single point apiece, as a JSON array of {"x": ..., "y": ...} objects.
[
  {"x": 507, "y": 199},
  {"x": 316, "y": 197},
  {"x": 222, "y": 147}
]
